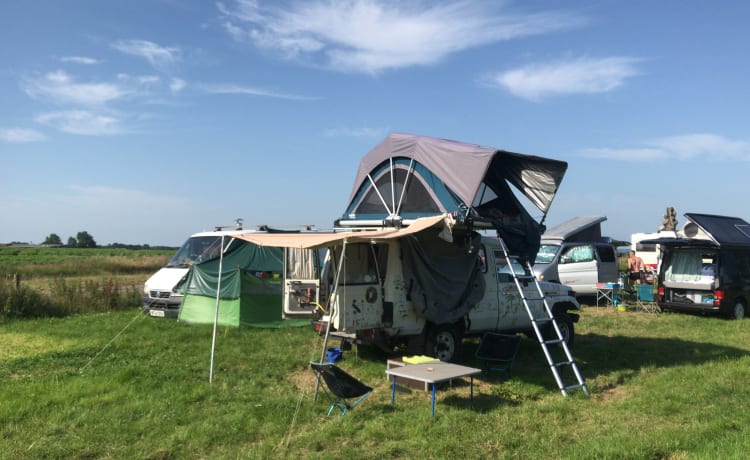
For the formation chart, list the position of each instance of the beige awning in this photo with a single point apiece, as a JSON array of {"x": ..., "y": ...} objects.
[{"x": 320, "y": 240}]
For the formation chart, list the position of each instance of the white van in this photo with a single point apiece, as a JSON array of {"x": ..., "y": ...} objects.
[
  {"x": 575, "y": 254},
  {"x": 159, "y": 299}
]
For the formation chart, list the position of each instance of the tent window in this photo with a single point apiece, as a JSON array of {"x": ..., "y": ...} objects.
[{"x": 416, "y": 199}]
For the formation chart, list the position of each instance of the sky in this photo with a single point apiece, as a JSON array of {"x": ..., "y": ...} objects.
[{"x": 142, "y": 122}]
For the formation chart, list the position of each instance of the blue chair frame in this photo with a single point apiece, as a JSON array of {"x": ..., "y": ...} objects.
[{"x": 340, "y": 387}]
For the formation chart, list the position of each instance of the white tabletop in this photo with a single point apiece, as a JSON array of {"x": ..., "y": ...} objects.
[{"x": 432, "y": 372}]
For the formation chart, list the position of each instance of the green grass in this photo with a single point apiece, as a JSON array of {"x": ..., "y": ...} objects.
[{"x": 123, "y": 385}]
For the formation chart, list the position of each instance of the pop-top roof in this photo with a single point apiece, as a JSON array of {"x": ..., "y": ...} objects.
[
  {"x": 722, "y": 231},
  {"x": 589, "y": 227}
]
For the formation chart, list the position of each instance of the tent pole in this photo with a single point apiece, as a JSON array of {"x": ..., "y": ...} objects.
[
  {"x": 216, "y": 311},
  {"x": 330, "y": 315}
]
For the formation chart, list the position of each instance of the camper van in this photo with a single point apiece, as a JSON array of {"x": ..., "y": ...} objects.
[
  {"x": 409, "y": 270},
  {"x": 382, "y": 297},
  {"x": 707, "y": 268},
  {"x": 159, "y": 298},
  {"x": 162, "y": 299},
  {"x": 575, "y": 253}
]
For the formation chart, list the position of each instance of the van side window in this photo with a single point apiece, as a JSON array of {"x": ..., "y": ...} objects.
[
  {"x": 606, "y": 253},
  {"x": 578, "y": 254},
  {"x": 504, "y": 273}
]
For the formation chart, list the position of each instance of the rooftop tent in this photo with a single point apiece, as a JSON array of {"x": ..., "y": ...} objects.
[
  {"x": 251, "y": 287},
  {"x": 408, "y": 176}
]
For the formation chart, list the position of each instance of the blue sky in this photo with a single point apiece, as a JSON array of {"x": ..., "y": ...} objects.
[{"x": 146, "y": 121}]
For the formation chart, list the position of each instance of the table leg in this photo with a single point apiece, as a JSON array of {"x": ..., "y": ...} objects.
[
  {"x": 393, "y": 391},
  {"x": 433, "y": 399}
]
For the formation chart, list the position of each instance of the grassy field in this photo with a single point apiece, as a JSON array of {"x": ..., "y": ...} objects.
[{"x": 123, "y": 385}]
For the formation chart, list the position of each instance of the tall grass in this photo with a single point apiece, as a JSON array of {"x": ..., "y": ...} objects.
[
  {"x": 63, "y": 298},
  {"x": 65, "y": 281}
]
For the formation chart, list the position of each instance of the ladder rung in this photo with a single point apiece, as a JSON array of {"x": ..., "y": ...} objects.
[
  {"x": 542, "y": 320},
  {"x": 553, "y": 341},
  {"x": 572, "y": 387},
  {"x": 563, "y": 363}
]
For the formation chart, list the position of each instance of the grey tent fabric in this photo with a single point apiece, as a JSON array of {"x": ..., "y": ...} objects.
[
  {"x": 464, "y": 167},
  {"x": 444, "y": 280},
  {"x": 415, "y": 176}
]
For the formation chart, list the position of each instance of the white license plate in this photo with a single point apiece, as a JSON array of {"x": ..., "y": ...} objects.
[{"x": 159, "y": 313}]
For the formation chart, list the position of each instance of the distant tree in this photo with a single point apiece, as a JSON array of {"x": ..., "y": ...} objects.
[
  {"x": 52, "y": 239},
  {"x": 85, "y": 240},
  {"x": 72, "y": 242}
]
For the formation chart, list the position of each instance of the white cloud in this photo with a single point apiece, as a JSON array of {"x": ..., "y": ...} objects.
[
  {"x": 251, "y": 91},
  {"x": 21, "y": 135},
  {"x": 371, "y": 36},
  {"x": 160, "y": 57},
  {"x": 177, "y": 85},
  {"x": 79, "y": 60},
  {"x": 82, "y": 122},
  {"x": 685, "y": 147},
  {"x": 61, "y": 88},
  {"x": 704, "y": 145},
  {"x": 571, "y": 76}
]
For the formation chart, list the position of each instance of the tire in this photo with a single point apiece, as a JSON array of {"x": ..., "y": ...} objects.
[
  {"x": 444, "y": 343},
  {"x": 738, "y": 312},
  {"x": 567, "y": 330}
]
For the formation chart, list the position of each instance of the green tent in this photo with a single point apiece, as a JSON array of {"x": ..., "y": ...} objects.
[{"x": 251, "y": 287}]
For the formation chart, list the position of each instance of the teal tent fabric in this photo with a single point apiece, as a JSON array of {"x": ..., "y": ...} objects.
[{"x": 251, "y": 287}]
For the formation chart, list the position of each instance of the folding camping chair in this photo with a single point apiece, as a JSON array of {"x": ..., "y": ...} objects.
[
  {"x": 341, "y": 386},
  {"x": 498, "y": 352},
  {"x": 645, "y": 298}
]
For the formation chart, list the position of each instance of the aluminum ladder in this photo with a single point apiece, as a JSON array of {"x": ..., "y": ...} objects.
[{"x": 540, "y": 323}]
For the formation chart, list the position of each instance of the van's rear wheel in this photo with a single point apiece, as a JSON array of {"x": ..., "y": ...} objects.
[
  {"x": 739, "y": 311},
  {"x": 444, "y": 343}
]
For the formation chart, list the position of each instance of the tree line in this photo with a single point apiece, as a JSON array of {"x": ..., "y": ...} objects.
[{"x": 84, "y": 240}]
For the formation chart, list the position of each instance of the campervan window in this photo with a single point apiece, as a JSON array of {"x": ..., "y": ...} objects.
[
  {"x": 198, "y": 249},
  {"x": 504, "y": 272},
  {"x": 577, "y": 254},
  {"x": 690, "y": 266},
  {"x": 546, "y": 254},
  {"x": 301, "y": 263},
  {"x": 364, "y": 263}
]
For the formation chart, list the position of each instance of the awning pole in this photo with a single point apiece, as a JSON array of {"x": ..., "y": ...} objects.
[
  {"x": 330, "y": 313},
  {"x": 216, "y": 311}
]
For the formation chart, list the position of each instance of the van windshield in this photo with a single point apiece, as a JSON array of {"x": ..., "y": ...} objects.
[
  {"x": 546, "y": 254},
  {"x": 197, "y": 249}
]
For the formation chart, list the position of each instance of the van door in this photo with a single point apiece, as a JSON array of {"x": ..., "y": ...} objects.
[
  {"x": 301, "y": 283},
  {"x": 483, "y": 316},
  {"x": 607, "y": 263},
  {"x": 578, "y": 267}
]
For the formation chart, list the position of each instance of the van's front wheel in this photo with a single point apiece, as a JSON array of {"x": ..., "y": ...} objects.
[
  {"x": 567, "y": 330},
  {"x": 444, "y": 343}
]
